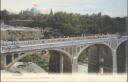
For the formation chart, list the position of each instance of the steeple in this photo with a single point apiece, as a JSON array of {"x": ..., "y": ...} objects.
[{"x": 51, "y": 12}]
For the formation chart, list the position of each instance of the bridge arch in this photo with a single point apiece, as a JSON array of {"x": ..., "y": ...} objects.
[
  {"x": 121, "y": 42},
  {"x": 62, "y": 51},
  {"x": 90, "y": 46},
  {"x": 65, "y": 55},
  {"x": 104, "y": 58},
  {"x": 121, "y": 57}
]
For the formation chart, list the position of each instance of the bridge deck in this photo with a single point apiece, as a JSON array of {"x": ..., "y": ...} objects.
[{"x": 16, "y": 46}]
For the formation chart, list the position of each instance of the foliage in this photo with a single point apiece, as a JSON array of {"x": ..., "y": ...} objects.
[
  {"x": 83, "y": 58},
  {"x": 11, "y": 35},
  {"x": 67, "y": 24},
  {"x": 36, "y": 58}
]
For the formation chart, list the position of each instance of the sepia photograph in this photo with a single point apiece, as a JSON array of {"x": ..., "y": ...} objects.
[{"x": 64, "y": 41}]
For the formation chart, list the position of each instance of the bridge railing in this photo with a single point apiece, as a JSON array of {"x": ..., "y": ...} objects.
[
  {"x": 29, "y": 42},
  {"x": 44, "y": 46},
  {"x": 52, "y": 43}
]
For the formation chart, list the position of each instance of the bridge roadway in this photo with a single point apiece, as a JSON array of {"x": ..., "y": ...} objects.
[{"x": 18, "y": 46}]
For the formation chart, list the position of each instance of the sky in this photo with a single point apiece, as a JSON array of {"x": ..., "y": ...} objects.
[{"x": 114, "y": 8}]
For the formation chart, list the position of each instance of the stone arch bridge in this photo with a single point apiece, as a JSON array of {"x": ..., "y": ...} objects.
[{"x": 67, "y": 50}]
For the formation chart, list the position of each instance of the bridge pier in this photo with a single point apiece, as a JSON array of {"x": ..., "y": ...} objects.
[
  {"x": 126, "y": 52},
  {"x": 6, "y": 59},
  {"x": 12, "y": 57},
  {"x": 93, "y": 59},
  {"x": 61, "y": 64},
  {"x": 126, "y": 66},
  {"x": 74, "y": 65},
  {"x": 114, "y": 61},
  {"x": 54, "y": 62},
  {"x": 3, "y": 61}
]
